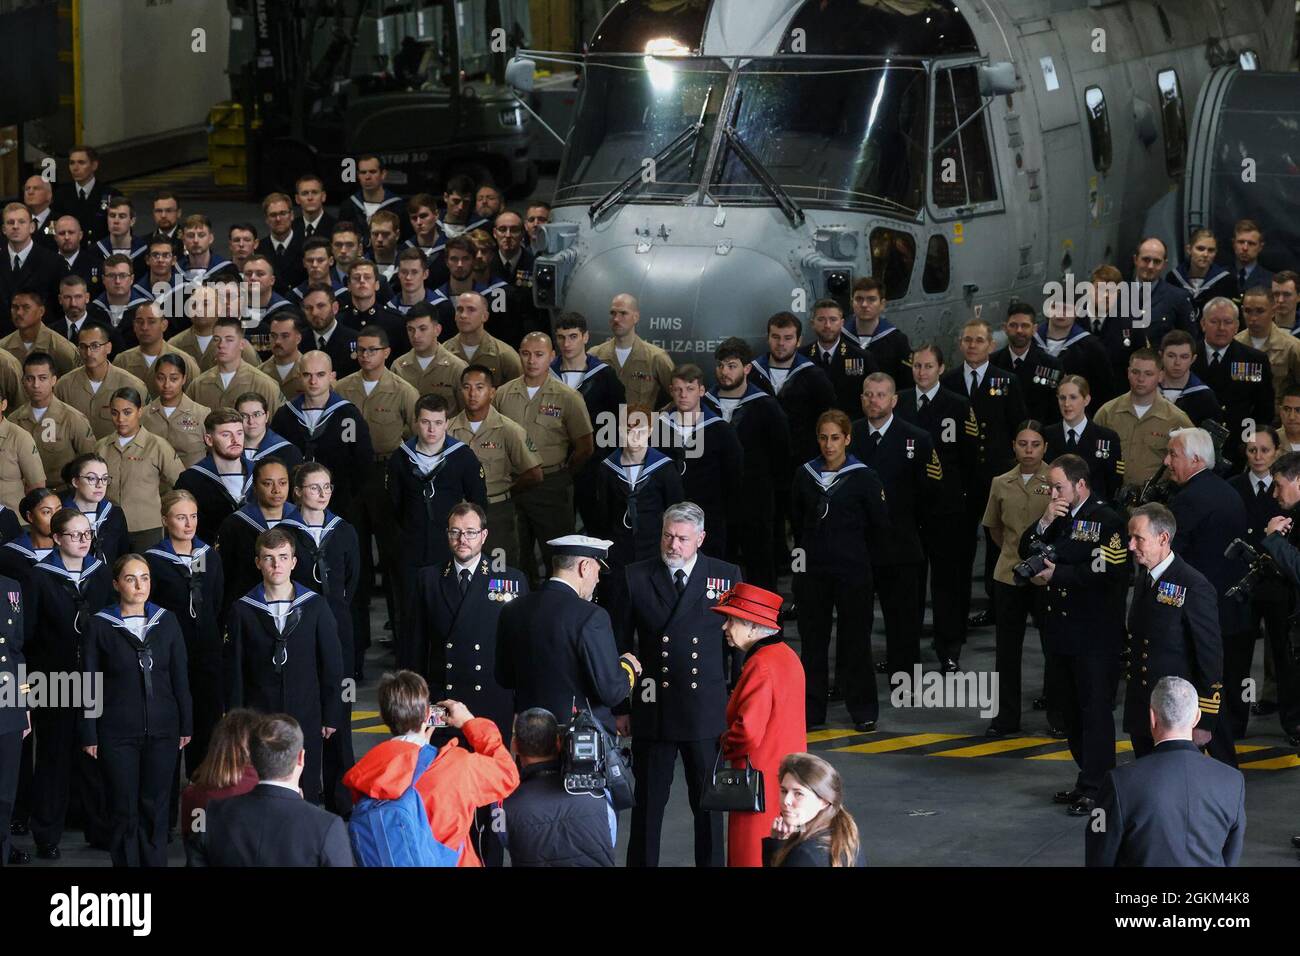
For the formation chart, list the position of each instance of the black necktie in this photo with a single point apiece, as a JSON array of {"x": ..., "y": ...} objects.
[
  {"x": 320, "y": 342},
  {"x": 1260, "y": 489},
  {"x": 81, "y": 194},
  {"x": 826, "y": 359},
  {"x": 464, "y": 581},
  {"x": 1241, "y": 280},
  {"x": 679, "y": 576},
  {"x": 974, "y": 381},
  {"x": 925, "y": 402},
  {"x": 18, "y": 263},
  {"x": 1070, "y": 441},
  {"x": 873, "y": 442},
  {"x": 309, "y": 230},
  {"x": 1214, "y": 360},
  {"x": 1150, "y": 583},
  {"x": 1016, "y": 363}
]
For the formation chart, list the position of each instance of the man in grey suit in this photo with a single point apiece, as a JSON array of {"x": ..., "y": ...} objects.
[
  {"x": 1175, "y": 807},
  {"x": 272, "y": 825}
]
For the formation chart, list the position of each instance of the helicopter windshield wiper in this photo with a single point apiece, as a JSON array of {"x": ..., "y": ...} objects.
[{"x": 775, "y": 189}]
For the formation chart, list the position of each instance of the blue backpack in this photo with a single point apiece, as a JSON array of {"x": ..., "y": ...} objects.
[{"x": 396, "y": 832}]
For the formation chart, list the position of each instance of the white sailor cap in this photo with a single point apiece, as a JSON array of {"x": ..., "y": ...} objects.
[{"x": 582, "y": 546}]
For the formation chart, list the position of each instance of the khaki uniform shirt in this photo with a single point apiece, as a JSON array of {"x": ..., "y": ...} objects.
[
  {"x": 1144, "y": 441},
  {"x": 142, "y": 472},
  {"x": 1283, "y": 351},
  {"x": 133, "y": 361},
  {"x": 504, "y": 449},
  {"x": 648, "y": 369},
  {"x": 389, "y": 409},
  {"x": 1013, "y": 506},
  {"x": 20, "y": 465},
  {"x": 74, "y": 388},
  {"x": 188, "y": 342},
  {"x": 290, "y": 387},
  {"x": 554, "y": 418},
  {"x": 492, "y": 352},
  {"x": 208, "y": 390},
  {"x": 65, "y": 354},
  {"x": 442, "y": 377},
  {"x": 11, "y": 379},
  {"x": 183, "y": 428},
  {"x": 61, "y": 435}
]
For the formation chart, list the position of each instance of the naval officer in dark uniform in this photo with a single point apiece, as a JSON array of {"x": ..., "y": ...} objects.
[
  {"x": 1038, "y": 370},
  {"x": 15, "y": 724},
  {"x": 846, "y": 363},
  {"x": 1240, "y": 376},
  {"x": 555, "y": 649},
  {"x": 1076, "y": 434},
  {"x": 682, "y": 706}
]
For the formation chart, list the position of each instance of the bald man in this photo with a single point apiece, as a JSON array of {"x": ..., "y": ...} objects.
[{"x": 645, "y": 370}]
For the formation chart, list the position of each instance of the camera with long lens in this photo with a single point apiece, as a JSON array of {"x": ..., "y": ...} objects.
[
  {"x": 1036, "y": 563},
  {"x": 1258, "y": 567}
]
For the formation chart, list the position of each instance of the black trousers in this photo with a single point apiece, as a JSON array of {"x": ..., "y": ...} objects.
[
  {"x": 897, "y": 586},
  {"x": 11, "y": 749},
  {"x": 376, "y": 521},
  {"x": 846, "y": 601},
  {"x": 138, "y": 774},
  {"x": 60, "y": 767},
  {"x": 1082, "y": 687},
  {"x": 1238, "y": 652},
  {"x": 963, "y": 552},
  {"x": 749, "y": 545},
  {"x": 23, "y": 799},
  {"x": 205, "y": 672},
  {"x": 655, "y": 762},
  {"x": 1013, "y": 605},
  {"x": 1271, "y": 611},
  {"x": 337, "y": 759},
  {"x": 949, "y": 577},
  {"x": 715, "y": 536}
]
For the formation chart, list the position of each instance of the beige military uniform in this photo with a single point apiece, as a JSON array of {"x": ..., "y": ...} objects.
[
  {"x": 647, "y": 370},
  {"x": 142, "y": 473},
  {"x": 188, "y": 342},
  {"x": 1013, "y": 506},
  {"x": 1144, "y": 441},
  {"x": 505, "y": 451},
  {"x": 389, "y": 409},
  {"x": 491, "y": 352},
  {"x": 1283, "y": 351},
  {"x": 134, "y": 361},
  {"x": 75, "y": 389},
  {"x": 290, "y": 386},
  {"x": 440, "y": 377},
  {"x": 20, "y": 464},
  {"x": 11, "y": 379},
  {"x": 208, "y": 390},
  {"x": 61, "y": 434},
  {"x": 554, "y": 418},
  {"x": 183, "y": 428},
  {"x": 65, "y": 354}
]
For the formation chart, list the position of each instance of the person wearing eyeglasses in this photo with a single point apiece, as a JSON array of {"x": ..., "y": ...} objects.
[
  {"x": 259, "y": 441},
  {"x": 115, "y": 306},
  {"x": 67, "y": 587},
  {"x": 187, "y": 578},
  {"x": 329, "y": 562},
  {"x": 147, "y": 718},
  {"x": 87, "y": 479},
  {"x": 143, "y": 467},
  {"x": 90, "y": 388},
  {"x": 173, "y": 415}
]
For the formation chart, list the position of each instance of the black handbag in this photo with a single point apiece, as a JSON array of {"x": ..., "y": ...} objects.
[{"x": 734, "y": 791}]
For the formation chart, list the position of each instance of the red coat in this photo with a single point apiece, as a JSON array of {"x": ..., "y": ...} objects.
[{"x": 765, "y": 721}]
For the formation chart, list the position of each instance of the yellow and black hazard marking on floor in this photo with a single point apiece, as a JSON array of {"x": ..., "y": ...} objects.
[
  {"x": 1026, "y": 747},
  {"x": 191, "y": 181},
  {"x": 368, "y": 722}
]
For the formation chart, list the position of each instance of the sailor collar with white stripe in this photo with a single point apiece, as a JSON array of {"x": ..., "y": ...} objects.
[
  {"x": 1076, "y": 333},
  {"x": 101, "y": 511},
  {"x": 256, "y": 598},
  {"x": 654, "y": 460},
  {"x": 258, "y": 313},
  {"x": 252, "y": 514},
  {"x": 23, "y": 545},
  {"x": 817, "y": 466},
  {"x": 331, "y": 522},
  {"x": 271, "y": 442},
  {"x": 53, "y": 562},
  {"x": 883, "y": 327},
  {"x": 152, "y": 615},
  {"x": 707, "y": 417},
  {"x": 752, "y": 392},
  {"x": 1193, "y": 386},
  {"x": 167, "y": 551},
  {"x": 449, "y": 445},
  {"x": 359, "y": 200},
  {"x": 799, "y": 363},
  {"x": 138, "y": 246},
  {"x": 594, "y": 365},
  {"x": 139, "y": 296},
  {"x": 1210, "y": 278},
  {"x": 207, "y": 467},
  {"x": 333, "y": 402}
]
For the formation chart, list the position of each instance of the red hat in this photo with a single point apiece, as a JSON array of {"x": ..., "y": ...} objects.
[{"x": 753, "y": 604}]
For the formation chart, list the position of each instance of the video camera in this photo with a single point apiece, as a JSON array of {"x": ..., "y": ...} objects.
[
  {"x": 1260, "y": 565},
  {"x": 593, "y": 762},
  {"x": 1036, "y": 563}
]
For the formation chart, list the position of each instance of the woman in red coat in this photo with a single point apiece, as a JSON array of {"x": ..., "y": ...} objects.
[{"x": 765, "y": 715}]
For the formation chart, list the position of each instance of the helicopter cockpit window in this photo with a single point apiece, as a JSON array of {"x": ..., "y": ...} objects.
[
  {"x": 641, "y": 26},
  {"x": 935, "y": 275},
  {"x": 1173, "y": 119},
  {"x": 963, "y": 173},
  {"x": 1098, "y": 128},
  {"x": 893, "y": 254}
]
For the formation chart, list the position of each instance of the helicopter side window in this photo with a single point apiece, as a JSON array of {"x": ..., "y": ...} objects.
[
  {"x": 1173, "y": 119},
  {"x": 1249, "y": 60},
  {"x": 1098, "y": 128},
  {"x": 935, "y": 275},
  {"x": 893, "y": 254},
  {"x": 963, "y": 169}
]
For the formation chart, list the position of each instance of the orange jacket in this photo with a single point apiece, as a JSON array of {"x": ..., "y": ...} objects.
[{"x": 457, "y": 785}]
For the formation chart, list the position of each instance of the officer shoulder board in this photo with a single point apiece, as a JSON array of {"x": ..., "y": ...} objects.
[{"x": 1114, "y": 551}]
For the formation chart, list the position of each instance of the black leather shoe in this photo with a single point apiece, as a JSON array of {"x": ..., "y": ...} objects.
[
  {"x": 1066, "y": 796},
  {"x": 865, "y": 726},
  {"x": 47, "y": 852},
  {"x": 18, "y": 828},
  {"x": 997, "y": 733},
  {"x": 18, "y": 857},
  {"x": 1263, "y": 708},
  {"x": 982, "y": 619},
  {"x": 810, "y": 724},
  {"x": 1295, "y": 842},
  {"x": 1082, "y": 807},
  {"x": 882, "y": 667},
  {"x": 1056, "y": 732},
  {"x": 948, "y": 666},
  {"x": 1040, "y": 703}
]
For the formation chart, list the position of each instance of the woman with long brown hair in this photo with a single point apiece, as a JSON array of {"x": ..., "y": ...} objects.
[
  {"x": 813, "y": 829},
  {"x": 226, "y": 771}
]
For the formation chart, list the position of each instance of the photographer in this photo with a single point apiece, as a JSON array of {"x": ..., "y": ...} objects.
[
  {"x": 1278, "y": 546},
  {"x": 545, "y": 824},
  {"x": 1079, "y": 542}
]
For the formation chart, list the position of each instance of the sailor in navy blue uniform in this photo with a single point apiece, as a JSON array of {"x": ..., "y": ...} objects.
[
  {"x": 133, "y": 247},
  {"x": 328, "y": 428},
  {"x": 1179, "y": 385},
  {"x": 263, "y": 304},
  {"x": 429, "y": 475},
  {"x": 845, "y": 362},
  {"x": 259, "y": 440},
  {"x": 85, "y": 196},
  {"x": 147, "y": 716},
  {"x": 187, "y": 578},
  {"x": 267, "y": 507},
  {"x": 601, "y": 390},
  {"x": 668, "y": 623},
  {"x": 1170, "y": 307},
  {"x": 118, "y": 316},
  {"x": 556, "y": 649},
  {"x": 707, "y": 454},
  {"x": 66, "y": 588},
  {"x": 1126, "y": 317},
  {"x": 373, "y": 196},
  {"x": 634, "y": 485},
  {"x": 15, "y": 724},
  {"x": 1039, "y": 371},
  {"x": 903, "y": 458},
  {"x": 1213, "y": 280},
  {"x": 764, "y": 434},
  {"x": 1077, "y": 434},
  {"x": 1240, "y": 376},
  {"x": 200, "y": 263},
  {"x": 286, "y": 653},
  {"x": 876, "y": 334},
  {"x": 85, "y": 475},
  {"x": 329, "y": 563},
  {"x": 1173, "y": 630},
  {"x": 840, "y": 517},
  {"x": 1079, "y": 352},
  {"x": 221, "y": 481}
]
